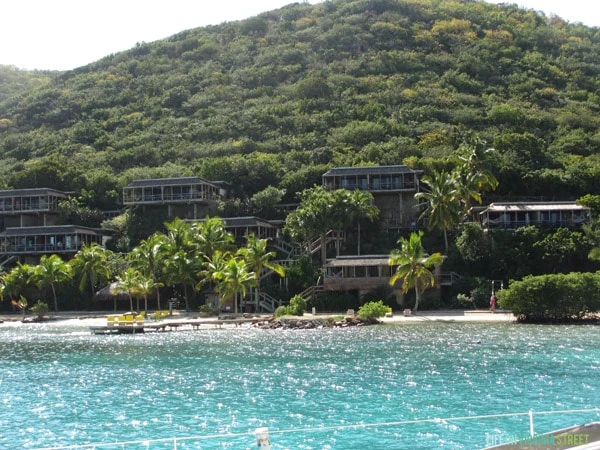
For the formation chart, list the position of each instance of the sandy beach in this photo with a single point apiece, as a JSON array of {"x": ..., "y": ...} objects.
[{"x": 79, "y": 318}]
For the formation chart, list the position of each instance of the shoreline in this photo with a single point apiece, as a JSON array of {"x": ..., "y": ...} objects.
[{"x": 444, "y": 316}]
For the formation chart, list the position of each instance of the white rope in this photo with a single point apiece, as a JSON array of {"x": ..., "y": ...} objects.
[{"x": 332, "y": 428}]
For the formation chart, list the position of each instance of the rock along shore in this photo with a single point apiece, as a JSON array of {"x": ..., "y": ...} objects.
[{"x": 303, "y": 323}]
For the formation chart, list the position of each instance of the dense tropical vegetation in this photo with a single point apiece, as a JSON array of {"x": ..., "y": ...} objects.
[
  {"x": 182, "y": 263},
  {"x": 272, "y": 102}
]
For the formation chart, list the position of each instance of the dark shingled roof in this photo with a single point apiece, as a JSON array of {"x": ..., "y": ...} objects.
[
  {"x": 167, "y": 182},
  {"x": 50, "y": 230},
  {"x": 27, "y": 192},
  {"x": 371, "y": 170}
]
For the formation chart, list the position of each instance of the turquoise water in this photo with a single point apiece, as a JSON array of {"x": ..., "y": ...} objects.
[{"x": 63, "y": 386}]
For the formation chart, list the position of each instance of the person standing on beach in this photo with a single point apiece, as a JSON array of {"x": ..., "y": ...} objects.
[{"x": 493, "y": 302}]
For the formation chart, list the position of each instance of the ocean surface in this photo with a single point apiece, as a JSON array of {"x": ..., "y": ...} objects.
[{"x": 395, "y": 386}]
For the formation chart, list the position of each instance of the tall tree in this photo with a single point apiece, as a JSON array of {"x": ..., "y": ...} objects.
[
  {"x": 51, "y": 270},
  {"x": 128, "y": 282},
  {"x": 362, "y": 206},
  {"x": 146, "y": 258},
  {"x": 321, "y": 211},
  {"x": 14, "y": 284},
  {"x": 91, "y": 263},
  {"x": 413, "y": 265},
  {"x": 440, "y": 199},
  {"x": 182, "y": 268},
  {"x": 234, "y": 278},
  {"x": 258, "y": 258},
  {"x": 182, "y": 259},
  {"x": 472, "y": 176},
  {"x": 210, "y": 235}
]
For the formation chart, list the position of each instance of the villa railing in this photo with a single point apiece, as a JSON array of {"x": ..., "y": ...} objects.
[
  {"x": 169, "y": 197},
  {"x": 263, "y": 435}
]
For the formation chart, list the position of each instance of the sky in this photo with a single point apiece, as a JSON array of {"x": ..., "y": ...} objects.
[{"x": 65, "y": 34}]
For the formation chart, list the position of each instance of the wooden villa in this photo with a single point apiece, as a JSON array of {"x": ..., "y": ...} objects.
[
  {"x": 240, "y": 227},
  {"x": 393, "y": 188},
  {"x": 64, "y": 240},
  {"x": 539, "y": 214},
  {"x": 365, "y": 273},
  {"x": 186, "y": 197},
  {"x": 30, "y": 207}
]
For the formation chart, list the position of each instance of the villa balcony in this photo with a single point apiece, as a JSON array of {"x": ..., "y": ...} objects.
[
  {"x": 30, "y": 201},
  {"x": 171, "y": 191}
]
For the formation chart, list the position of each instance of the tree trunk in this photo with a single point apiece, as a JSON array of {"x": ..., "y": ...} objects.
[
  {"x": 446, "y": 240},
  {"x": 130, "y": 301},
  {"x": 323, "y": 249},
  {"x": 54, "y": 295},
  {"x": 187, "y": 304},
  {"x": 157, "y": 299},
  {"x": 418, "y": 297}
]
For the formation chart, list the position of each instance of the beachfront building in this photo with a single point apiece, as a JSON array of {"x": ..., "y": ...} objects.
[
  {"x": 366, "y": 273},
  {"x": 29, "y": 226},
  {"x": 393, "y": 188},
  {"x": 512, "y": 215},
  {"x": 185, "y": 197},
  {"x": 241, "y": 227},
  {"x": 64, "y": 240},
  {"x": 29, "y": 207}
]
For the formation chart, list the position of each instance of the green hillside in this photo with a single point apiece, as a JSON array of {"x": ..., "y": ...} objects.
[{"x": 277, "y": 99}]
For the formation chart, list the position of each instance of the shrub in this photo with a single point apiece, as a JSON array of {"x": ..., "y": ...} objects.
[
  {"x": 297, "y": 307},
  {"x": 372, "y": 310},
  {"x": 40, "y": 308},
  {"x": 553, "y": 297},
  {"x": 283, "y": 310},
  {"x": 206, "y": 309}
]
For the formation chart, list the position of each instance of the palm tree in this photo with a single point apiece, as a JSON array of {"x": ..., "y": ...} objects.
[
  {"x": 92, "y": 264},
  {"x": 15, "y": 282},
  {"x": 50, "y": 271},
  {"x": 473, "y": 178},
  {"x": 181, "y": 268},
  {"x": 182, "y": 260},
  {"x": 234, "y": 278},
  {"x": 128, "y": 282},
  {"x": 362, "y": 206},
  {"x": 146, "y": 258},
  {"x": 441, "y": 203},
  {"x": 258, "y": 258},
  {"x": 413, "y": 265},
  {"x": 145, "y": 286},
  {"x": 210, "y": 235},
  {"x": 212, "y": 266}
]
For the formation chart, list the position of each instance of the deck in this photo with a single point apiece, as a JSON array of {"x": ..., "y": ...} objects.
[{"x": 176, "y": 325}]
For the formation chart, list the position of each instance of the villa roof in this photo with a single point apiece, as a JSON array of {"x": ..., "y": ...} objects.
[
  {"x": 181, "y": 181},
  {"x": 370, "y": 170},
  {"x": 541, "y": 206},
  {"x": 249, "y": 221},
  {"x": 31, "y": 191},
  {"x": 366, "y": 260}
]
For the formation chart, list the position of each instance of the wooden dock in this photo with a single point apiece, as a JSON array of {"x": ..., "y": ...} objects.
[{"x": 175, "y": 325}]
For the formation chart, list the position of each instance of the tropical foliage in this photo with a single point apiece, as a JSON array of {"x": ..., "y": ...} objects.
[
  {"x": 412, "y": 266},
  {"x": 555, "y": 297},
  {"x": 273, "y": 101}
]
